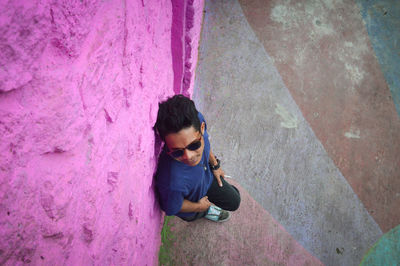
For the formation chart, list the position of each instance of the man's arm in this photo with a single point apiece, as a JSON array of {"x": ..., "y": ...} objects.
[
  {"x": 213, "y": 160},
  {"x": 219, "y": 172},
  {"x": 202, "y": 205}
]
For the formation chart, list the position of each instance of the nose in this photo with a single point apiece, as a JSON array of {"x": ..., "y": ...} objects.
[{"x": 187, "y": 155}]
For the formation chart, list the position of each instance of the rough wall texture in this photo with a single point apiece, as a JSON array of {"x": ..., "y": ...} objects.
[
  {"x": 186, "y": 26},
  {"x": 80, "y": 83}
]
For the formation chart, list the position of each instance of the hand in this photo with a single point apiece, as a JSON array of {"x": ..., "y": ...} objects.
[
  {"x": 204, "y": 204},
  {"x": 217, "y": 174}
]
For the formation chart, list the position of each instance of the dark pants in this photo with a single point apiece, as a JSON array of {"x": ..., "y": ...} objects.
[{"x": 226, "y": 197}]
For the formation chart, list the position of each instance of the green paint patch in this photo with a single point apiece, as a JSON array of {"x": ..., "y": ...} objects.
[
  {"x": 167, "y": 242},
  {"x": 386, "y": 250}
]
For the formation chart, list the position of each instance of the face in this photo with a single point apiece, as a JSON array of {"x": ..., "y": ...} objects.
[{"x": 182, "y": 139}]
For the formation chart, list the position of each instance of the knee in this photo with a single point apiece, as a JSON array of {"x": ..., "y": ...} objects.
[{"x": 235, "y": 203}]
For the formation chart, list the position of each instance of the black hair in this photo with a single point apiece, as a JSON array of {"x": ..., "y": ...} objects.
[{"x": 174, "y": 114}]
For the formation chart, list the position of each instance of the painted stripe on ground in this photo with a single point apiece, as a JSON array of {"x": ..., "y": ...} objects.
[
  {"x": 250, "y": 237},
  {"x": 265, "y": 143},
  {"x": 386, "y": 251},
  {"x": 382, "y": 19},
  {"x": 323, "y": 53}
]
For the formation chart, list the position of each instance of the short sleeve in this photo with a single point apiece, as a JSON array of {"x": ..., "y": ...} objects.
[{"x": 201, "y": 118}]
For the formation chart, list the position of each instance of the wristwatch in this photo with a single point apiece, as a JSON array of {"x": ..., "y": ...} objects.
[{"x": 215, "y": 167}]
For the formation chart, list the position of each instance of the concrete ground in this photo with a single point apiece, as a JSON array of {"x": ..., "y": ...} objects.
[
  {"x": 300, "y": 100},
  {"x": 251, "y": 237}
]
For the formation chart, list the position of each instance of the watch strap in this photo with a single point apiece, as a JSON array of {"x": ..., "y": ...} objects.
[{"x": 215, "y": 167}]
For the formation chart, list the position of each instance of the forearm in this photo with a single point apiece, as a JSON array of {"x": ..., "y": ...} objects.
[
  {"x": 216, "y": 169},
  {"x": 189, "y": 206},
  {"x": 212, "y": 159}
]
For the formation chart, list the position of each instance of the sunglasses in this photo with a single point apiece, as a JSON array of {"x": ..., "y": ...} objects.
[{"x": 192, "y": 147}]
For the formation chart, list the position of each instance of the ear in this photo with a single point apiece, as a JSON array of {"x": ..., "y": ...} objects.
[{"x": 202, "y": 128}]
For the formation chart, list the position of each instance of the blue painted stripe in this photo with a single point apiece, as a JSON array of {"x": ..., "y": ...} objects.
[{"x": 382, "y": 19}]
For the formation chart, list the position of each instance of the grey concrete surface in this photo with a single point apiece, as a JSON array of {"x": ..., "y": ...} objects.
[{"x": 264, "y": 142}]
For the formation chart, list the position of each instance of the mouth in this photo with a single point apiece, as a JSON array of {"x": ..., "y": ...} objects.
[{"x": 192, "y": 162}]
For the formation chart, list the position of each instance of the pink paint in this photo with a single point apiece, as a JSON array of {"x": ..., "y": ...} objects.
[
  {"x": 193, "y": 26},
  {"x": 79, "y": 95},
  {"x": 177, "y": 43},
  {"x": 186, "y": 28}
]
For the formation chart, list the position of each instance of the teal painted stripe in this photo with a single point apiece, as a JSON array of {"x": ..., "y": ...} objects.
[
  {"x": 386, "y": 251},
  {"x": 382, "y": 19}
]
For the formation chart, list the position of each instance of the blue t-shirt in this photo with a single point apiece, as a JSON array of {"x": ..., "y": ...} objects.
[{"x": 176, "y": 181}]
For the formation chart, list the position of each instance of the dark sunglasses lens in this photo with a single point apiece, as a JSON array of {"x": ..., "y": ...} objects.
[
  {"x": 177, "y": 154},
  {"x": 194, "y": 146}
]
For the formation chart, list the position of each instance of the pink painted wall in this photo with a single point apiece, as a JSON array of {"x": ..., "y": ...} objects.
[
  {"x": 80, "y": 83},
  {"x": 186, "y": 26}
]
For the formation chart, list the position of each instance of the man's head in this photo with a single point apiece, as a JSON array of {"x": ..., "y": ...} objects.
[{"x": 179, "y": 127}]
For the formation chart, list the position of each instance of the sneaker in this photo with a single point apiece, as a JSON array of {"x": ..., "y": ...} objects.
[{"x": 217, "y": 214}]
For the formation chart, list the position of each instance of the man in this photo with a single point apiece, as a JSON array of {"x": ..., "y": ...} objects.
[{"x": 189, "y": 178}]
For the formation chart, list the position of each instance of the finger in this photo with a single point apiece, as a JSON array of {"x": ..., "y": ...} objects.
[{"x": 219, "y": 181}]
